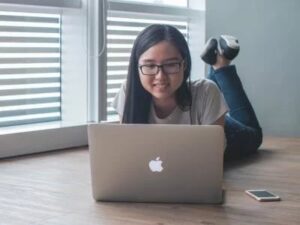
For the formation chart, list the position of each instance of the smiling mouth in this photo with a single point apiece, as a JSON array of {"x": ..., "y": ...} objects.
[{"x": 161, "y": 85}]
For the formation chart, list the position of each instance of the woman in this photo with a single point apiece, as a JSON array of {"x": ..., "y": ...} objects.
[{"x": 159, "y": 90}]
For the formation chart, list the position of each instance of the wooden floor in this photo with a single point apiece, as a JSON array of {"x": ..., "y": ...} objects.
[{"x": 54, "y": 189}]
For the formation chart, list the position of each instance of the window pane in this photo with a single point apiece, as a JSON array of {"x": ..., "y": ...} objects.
[
  {"x": 121, "y": 33},
  {"x": 30, "y": 79}
]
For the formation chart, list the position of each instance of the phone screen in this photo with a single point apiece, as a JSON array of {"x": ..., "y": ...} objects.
[{"x": 262, "y": 194}]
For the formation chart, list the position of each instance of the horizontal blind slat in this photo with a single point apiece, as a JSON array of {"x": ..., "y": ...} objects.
[
  {"x": 118, "y": 59},
  {"x": 29, "y": 70},
  {"x": 139, "y": 24},
  {"x": 5, "y": 77},
  {"x": 122, "y": 32},
  {"x": 10, "y": 18},
  {"x": 110, "y": 86},
  {"x": 30, "y": 39},
  {"x": 117, "y": 67},
  {"x": 118, "y": 50},
  {"x": 148, "y": 16},
  {"x": 116, "y": 77},
  {"x": 129, "y": 32},
  {"x": 29, "y": 29},
  {"x": 29, "y": 91},
  {"x": 32, "y": 101},
  {"x": 29, "y": 50},
  {"x": 29, "y": 81},
  {"x": 29, "y": 111},
  {"x": 53, "y": 3},
  {"x": 29, "y": 60},
  {"x": 120, "y": 41}
]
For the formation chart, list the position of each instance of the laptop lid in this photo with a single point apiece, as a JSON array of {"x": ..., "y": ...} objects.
[{"x": 156, "y": 163}]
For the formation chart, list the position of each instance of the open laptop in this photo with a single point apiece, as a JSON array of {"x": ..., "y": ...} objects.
[{"x": 156, "y": 163}]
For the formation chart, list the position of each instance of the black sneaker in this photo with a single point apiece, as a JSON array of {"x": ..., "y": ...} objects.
[
  {"x": 229, "y": 46},
  {"x": 209, "y": 53}
]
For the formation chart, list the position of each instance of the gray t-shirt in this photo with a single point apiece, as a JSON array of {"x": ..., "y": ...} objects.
[{"x": 208, "y": 105}]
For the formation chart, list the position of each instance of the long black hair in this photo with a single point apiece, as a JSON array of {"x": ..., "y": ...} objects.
[{"x": 138, "y": 100}]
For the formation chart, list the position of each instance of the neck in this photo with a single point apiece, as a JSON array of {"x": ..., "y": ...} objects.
[{"x": 164, "y": 107}]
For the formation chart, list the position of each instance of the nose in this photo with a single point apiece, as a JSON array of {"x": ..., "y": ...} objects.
[{"x": 160, "y": 74}]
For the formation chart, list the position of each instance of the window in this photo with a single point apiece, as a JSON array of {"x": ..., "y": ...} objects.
[
  {"x": 43, "y": 64},
  {"x": 43, "y": 75},
  {"x": 53, "y": 84},
  {"x": 29, "y": 68},
  {"x": 121, "y": 32}
]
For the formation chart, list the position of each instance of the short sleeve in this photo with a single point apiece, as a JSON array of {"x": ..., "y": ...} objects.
[
  {"x": 208, "y": 103},
  {"x": 214, "y": 105},
  {"x": 119, "y": 100}
]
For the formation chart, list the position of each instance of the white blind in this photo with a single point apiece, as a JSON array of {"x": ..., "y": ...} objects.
[
  {"x": 122, "y": 30},
  {"x": 30, "y": 78},
  {"x": 54, "y": 3}
]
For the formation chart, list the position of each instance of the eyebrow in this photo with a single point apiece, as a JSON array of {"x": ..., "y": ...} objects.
[{"x": 166, "y": 60}]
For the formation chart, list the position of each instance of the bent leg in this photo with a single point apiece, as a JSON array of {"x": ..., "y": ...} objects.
[
  {"x": 242, "y": 128},
  {"x": 241, "y": 140},
  {"x": 239, "y": 105}
]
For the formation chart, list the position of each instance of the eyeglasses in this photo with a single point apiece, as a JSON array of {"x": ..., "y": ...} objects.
[{"x": 167, "y": 68}]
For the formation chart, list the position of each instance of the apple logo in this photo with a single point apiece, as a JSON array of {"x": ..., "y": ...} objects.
[{"x": 155, "y": 165}]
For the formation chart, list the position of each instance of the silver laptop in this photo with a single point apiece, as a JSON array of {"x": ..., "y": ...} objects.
[{"x": 156, "y": 163}]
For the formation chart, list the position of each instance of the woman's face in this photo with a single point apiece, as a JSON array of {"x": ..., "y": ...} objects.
[{"x": 163, "y": 81}]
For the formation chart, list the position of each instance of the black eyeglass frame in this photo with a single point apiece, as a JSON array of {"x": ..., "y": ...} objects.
[{"x": 161, "y": 67}]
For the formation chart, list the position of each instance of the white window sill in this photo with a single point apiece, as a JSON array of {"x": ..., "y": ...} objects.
[
  {"x": 37, "y": 127},
  {"x": 28, "y": 139}
]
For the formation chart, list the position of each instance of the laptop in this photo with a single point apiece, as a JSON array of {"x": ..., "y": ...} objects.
[{"x": 156, "y": 163}]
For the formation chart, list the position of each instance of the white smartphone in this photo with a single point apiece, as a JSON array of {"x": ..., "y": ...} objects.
[{"x": 262, "y": 195}]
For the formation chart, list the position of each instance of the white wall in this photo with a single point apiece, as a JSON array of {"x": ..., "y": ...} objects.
[{"x": 269, "y": 35}]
